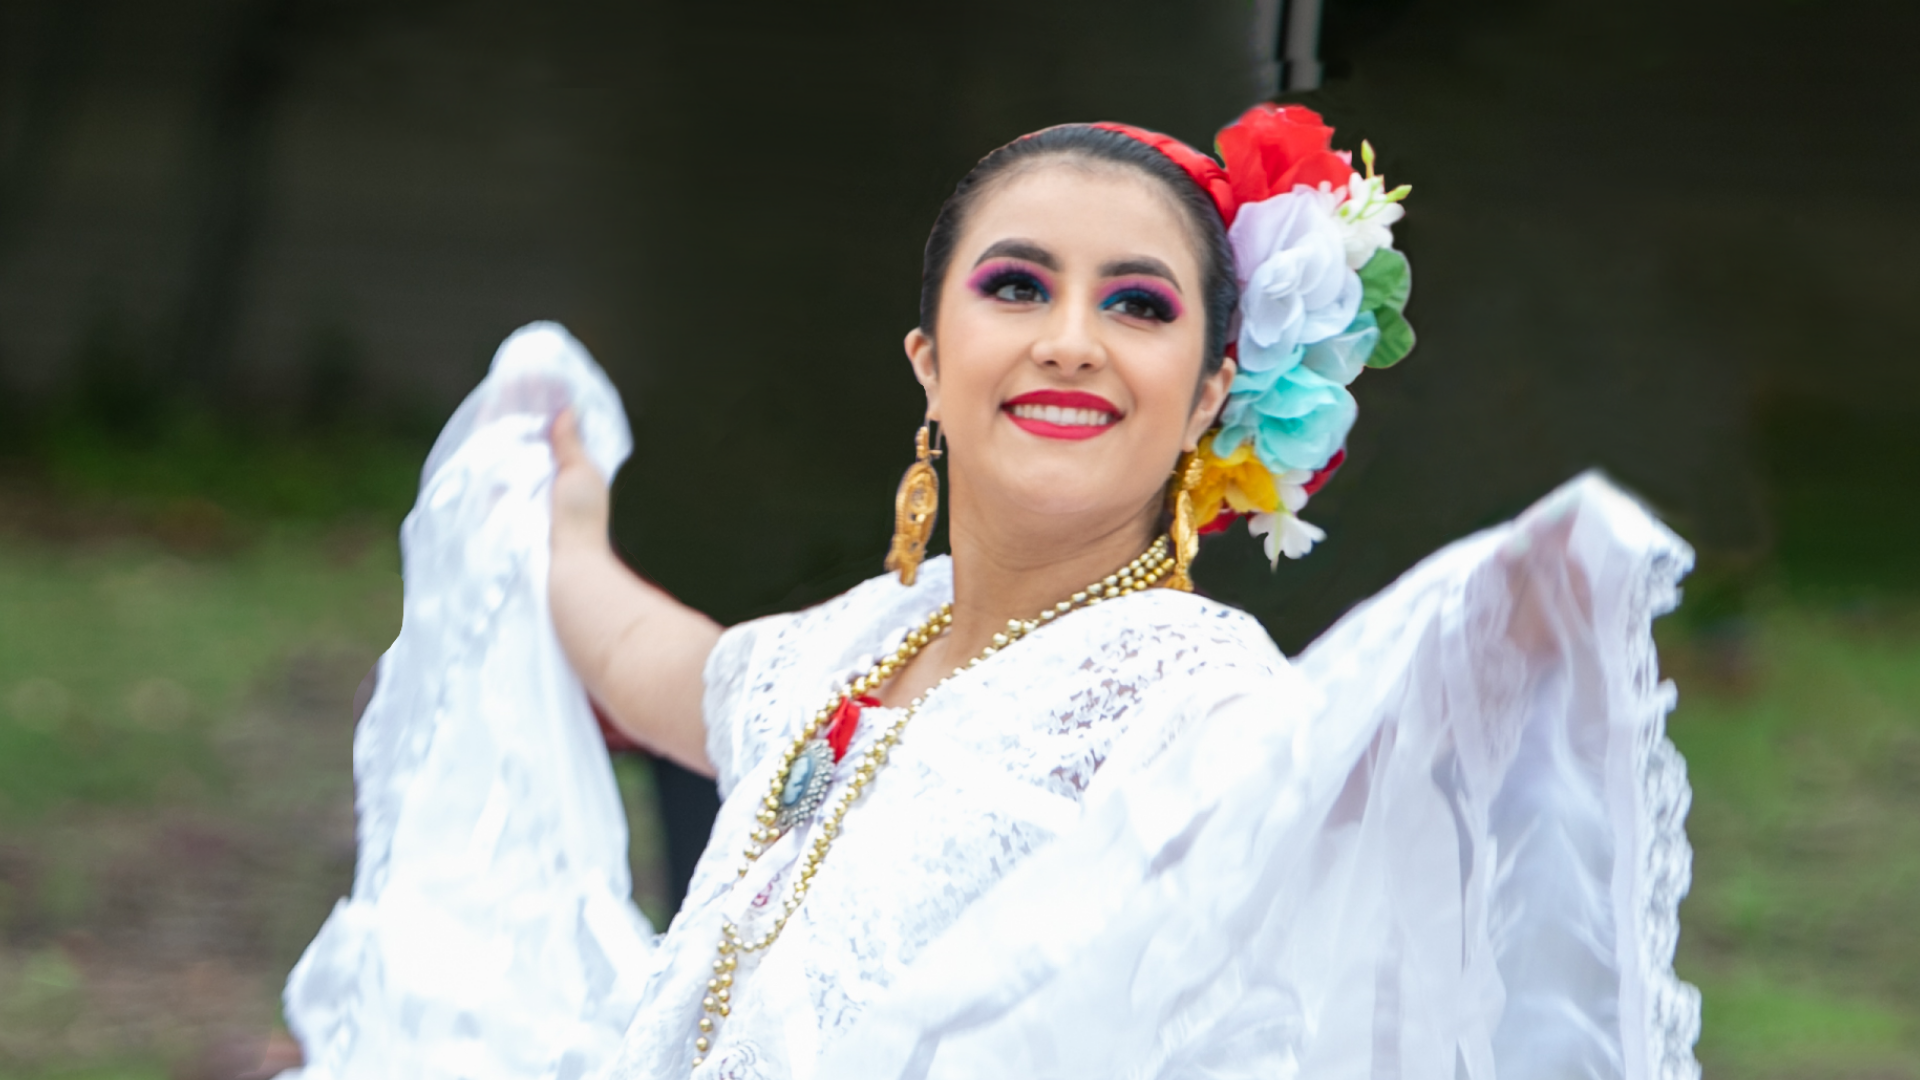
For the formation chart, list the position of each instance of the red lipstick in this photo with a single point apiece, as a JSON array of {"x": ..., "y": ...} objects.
[{"x": 1062, "y": 414}]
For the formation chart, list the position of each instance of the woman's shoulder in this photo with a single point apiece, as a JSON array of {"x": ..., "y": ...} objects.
[
  {"x": 1158, "y": 654},
  {"x": 1156, "y": 664},
  {"x": 831, "y": 634},
  {"x": 1193, "y": 632},
  {"x": 874, "y": 608}
]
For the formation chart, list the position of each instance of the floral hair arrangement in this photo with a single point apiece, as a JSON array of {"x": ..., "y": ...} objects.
[{"x": 1322, "y": 292}]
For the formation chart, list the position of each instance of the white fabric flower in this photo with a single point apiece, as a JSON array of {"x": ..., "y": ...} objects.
[
  {"x": 1292, "y": 485},
  {"x": 1286, "y": 534},
  {"x": 1295, "y": 285},
  {"x": 1365, "y": 220}
]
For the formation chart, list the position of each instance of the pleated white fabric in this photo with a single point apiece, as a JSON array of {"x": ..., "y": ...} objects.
[
  {"x": 491, "y": 932},
  {"x": 1461, "y": 857}
]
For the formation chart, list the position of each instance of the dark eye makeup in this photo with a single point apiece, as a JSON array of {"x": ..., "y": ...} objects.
[
  {"x": 1142, "y": 300},
  {"x": 1011, "y": 282},
  {"x": 1017, "y": 282}
]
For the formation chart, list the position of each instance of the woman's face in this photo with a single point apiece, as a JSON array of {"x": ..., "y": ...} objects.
[{"x": 1070, "y": 332}]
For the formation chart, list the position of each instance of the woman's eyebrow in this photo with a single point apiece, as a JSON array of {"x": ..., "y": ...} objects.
[
  {"x": 1019, "y": 249},
  {"x": 1140, "y": 264}
]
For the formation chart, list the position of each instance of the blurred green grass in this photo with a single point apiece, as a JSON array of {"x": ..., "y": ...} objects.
[
  {"x": 122, "y": 661},
  {"x": 1803, "y": 744}
]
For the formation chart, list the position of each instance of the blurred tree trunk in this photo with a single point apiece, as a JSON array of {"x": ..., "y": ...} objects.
[
  {"x": 231, "y": 185},
  {"x": 54, "y": 59}
]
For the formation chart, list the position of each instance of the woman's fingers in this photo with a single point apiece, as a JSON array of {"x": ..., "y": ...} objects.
[
  {"x": 565, "y": 439},
  {"x": 579, "y": 491}
]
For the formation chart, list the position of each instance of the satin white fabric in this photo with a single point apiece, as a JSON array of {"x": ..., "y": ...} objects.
[{"x": 1445, "y": 842}]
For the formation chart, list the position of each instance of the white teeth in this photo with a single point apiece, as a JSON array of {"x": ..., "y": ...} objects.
[{"x": 1064, "y": 417}]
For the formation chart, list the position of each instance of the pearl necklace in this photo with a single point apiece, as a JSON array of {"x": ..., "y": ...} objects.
[{"x": 790, "y": 801}]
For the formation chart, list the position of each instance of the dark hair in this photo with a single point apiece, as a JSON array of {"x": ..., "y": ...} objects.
[{"x": 1085, "y": 142}]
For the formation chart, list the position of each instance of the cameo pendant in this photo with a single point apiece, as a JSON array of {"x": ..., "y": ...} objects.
[{"x": 806, "y": 786}]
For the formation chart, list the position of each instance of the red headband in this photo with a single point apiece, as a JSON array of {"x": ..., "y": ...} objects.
[
  {"x": 1205, "y": 171},
  {"x": 1268, "y": 151}
]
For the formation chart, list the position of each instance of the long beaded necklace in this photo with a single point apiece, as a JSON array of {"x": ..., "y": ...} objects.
[{"x": 799, "y": 786}]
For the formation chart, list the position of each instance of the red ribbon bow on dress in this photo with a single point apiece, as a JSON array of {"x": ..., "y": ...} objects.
[{"x": 846, "y": 717}]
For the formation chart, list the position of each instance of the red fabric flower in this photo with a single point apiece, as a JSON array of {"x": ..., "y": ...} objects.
[
  {"x": 1325, "y": 473},
  {"x": 1219, "y": 523},
  {"x": 1273, "y": 148},
  {"x": 1205, "y": 171}
]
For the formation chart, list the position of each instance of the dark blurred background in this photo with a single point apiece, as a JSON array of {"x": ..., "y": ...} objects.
[{"x": 252, "y": 252}]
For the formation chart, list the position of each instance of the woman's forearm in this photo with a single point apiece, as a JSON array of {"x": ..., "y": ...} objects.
[{"x": 641, "y": 653}]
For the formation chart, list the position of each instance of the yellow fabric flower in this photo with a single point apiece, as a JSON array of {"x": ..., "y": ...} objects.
[{"x": 1238, "y": 481}]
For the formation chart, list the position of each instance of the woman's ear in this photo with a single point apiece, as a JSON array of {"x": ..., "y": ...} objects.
[
  {"x": 1206, "y": 407},
  {"x": 925, "y": 368}
]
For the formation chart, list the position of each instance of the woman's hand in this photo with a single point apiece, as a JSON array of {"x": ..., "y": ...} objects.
[
  {"x": 579, "y": 491},
  {"x": 640, "y": 653}
]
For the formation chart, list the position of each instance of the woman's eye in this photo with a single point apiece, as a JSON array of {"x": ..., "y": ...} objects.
[
  {"x": 1016, "y": 288},
  {"x": 1140, "y": 304}
]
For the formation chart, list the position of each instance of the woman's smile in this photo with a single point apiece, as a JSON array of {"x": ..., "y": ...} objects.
[
  {"x": 1062, "y": 414},
  {"x": 1073, "y": 321}
]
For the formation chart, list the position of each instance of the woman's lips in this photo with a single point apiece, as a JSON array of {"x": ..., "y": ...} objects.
[{"x": 1062, "y": 414}]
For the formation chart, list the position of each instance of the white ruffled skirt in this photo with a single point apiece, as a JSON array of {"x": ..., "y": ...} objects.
[{"x": 1467, "y": 863}]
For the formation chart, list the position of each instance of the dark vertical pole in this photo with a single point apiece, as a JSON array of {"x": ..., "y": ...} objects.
[
  {"x": 1286, "y": 37},
  {"x": 1267, "y": 20},
  {"x": 31, "y": 124},
  {"x": 231, "y": 187},
  {"x": 1300, "y": 46}
]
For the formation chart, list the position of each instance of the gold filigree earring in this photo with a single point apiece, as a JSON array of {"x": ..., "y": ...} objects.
[
  {"x": 1186, "y": 534},
  {"x": 914, "y": 508}
]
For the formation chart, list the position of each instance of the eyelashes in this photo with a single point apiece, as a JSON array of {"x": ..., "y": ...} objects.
[
  {"x": 1017, "y": 283},
  {"x": 1011, "y": 282},
  {"x": 1142, "y": 300}
]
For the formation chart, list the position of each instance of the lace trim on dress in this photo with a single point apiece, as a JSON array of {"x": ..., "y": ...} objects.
[{"x": 1672, "y": 1007}]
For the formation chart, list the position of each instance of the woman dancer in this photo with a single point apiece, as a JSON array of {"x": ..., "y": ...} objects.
[{"x": 1034, "y": 809}]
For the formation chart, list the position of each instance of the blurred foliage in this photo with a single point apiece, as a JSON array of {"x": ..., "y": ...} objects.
[
  {"x": 1802, "y": 739},
  {"x": 186, "y": 460},
  {"x": 1844, "y": 481}
]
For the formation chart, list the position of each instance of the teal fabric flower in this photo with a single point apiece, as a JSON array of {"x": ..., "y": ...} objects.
[
  {"x": 1295, "y": 417},
  {"x": 1343, "y": 356}
]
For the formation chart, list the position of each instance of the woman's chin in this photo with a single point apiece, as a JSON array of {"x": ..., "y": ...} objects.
[{"x": 1066, "y": 497}]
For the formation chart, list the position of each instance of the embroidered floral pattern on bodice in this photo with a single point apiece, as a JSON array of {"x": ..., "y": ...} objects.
[{"x": 993, "y": 767}]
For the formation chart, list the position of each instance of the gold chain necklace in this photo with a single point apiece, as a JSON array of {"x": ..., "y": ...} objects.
[{"x": 799, "y": 785}]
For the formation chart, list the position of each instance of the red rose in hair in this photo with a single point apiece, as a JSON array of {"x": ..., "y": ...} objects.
[{"x": 1272, "y": 148}]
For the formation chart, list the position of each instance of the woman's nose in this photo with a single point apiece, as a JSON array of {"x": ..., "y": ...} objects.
[{"x": 1072, "y": 344}]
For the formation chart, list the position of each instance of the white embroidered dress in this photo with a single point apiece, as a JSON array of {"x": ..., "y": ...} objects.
[
  {"x": 1444, "y": 842},
  {"x": 993, "y": 767}
]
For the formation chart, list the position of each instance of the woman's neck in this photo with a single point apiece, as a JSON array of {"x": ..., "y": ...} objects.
[{"x": 1005, "y": 568}]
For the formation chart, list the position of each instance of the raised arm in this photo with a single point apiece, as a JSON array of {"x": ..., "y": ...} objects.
[{"x": 640, "y": 652}]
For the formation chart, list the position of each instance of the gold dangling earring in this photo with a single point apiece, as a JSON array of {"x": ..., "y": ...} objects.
[
  {"x": 1186, "y": 535},
  {"x": 915, "y": 506}
]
